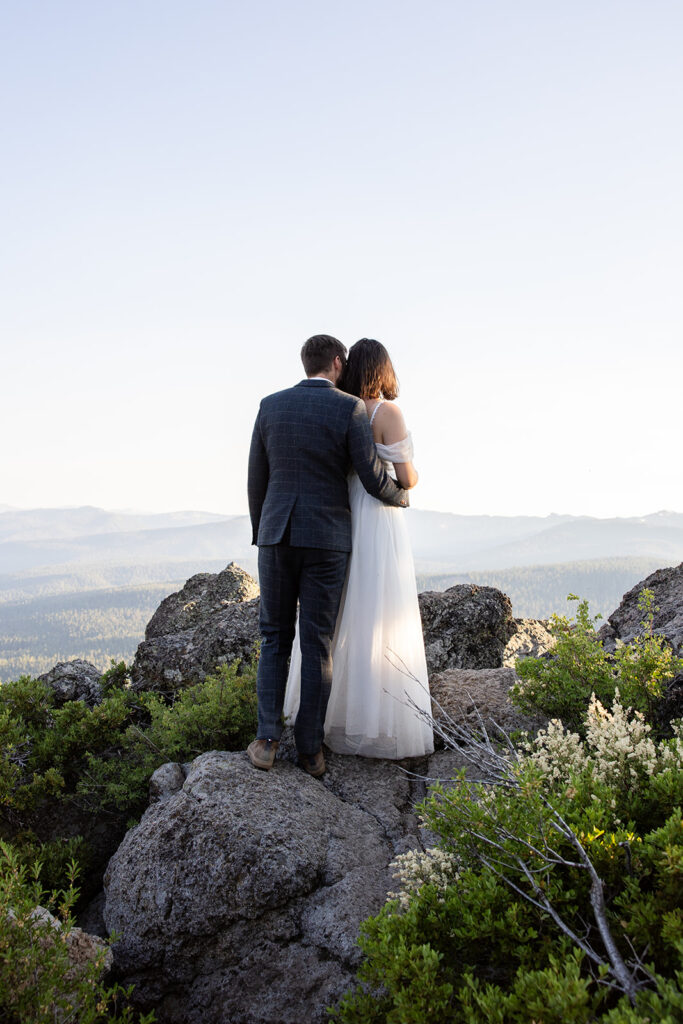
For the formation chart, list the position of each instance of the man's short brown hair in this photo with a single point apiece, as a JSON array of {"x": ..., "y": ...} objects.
[{"x": 318, "y": 353}]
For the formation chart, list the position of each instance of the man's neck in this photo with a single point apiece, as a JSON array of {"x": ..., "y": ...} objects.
[{"x": 321, "y": 376}]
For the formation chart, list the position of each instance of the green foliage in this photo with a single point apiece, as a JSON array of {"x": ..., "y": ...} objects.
[
  {"x": 662, "y": 1004},
  {"x": 26, "y": 712},
  {"x": 555, "y": 994},
  {"x": 560, "y": 686},
  {"x": 100, "y": 759},
  {"x": 38, "y": 983},
  {"x": 646, "y": 664},
  {"x": 217, "y": 714},
  {"x": 469, "y": 937},
  {"x": 116, "y": 676},
  {"x": 54, "y": 856}
]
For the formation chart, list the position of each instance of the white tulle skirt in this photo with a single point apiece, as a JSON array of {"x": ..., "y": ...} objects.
[{"x": 378, "y": 650}]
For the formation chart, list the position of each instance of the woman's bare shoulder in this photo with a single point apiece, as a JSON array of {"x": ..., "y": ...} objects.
[
  {"x": 390, "y": 412},
  {"x": 390, "y": 421}
]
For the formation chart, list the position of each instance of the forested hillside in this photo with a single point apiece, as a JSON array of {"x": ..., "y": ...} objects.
[
  {"x": 538, "y": 590},
  {"x": 50, "y": 617},
  {"x": 96, "y": 625}
]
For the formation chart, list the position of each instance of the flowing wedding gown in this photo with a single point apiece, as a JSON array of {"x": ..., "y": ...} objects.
[{"x": 378, "y": 645}]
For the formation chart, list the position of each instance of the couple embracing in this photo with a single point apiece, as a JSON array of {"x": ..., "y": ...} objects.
[{"x": 329, "y": 467}]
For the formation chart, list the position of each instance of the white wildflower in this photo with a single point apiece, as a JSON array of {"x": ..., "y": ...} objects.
[
  {"x": 415, "y": 868},
  {"x": 618, "y": 749},
  {"x": 620, "y": 746},
  {"x": 557, "y": 752}
]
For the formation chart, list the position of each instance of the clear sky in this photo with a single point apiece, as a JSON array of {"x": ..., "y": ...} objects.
[{"x": 492, "y": 189}]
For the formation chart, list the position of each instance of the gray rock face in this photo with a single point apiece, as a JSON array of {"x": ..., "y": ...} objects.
[
  {"x": 466, "y": 626},
  {"x": 240, "y": 893},
  {"x": 202, "y": 595},
  {"x": 74, "y": 680},
  {"x": 213, "y": 620},
  {"x": 531, "y": 639},
  {"x": 624, "y": 623},
  {"x": 468, "y": 695}
]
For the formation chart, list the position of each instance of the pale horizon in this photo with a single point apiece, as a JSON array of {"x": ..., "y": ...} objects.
[{"x": 5, "y": 507}]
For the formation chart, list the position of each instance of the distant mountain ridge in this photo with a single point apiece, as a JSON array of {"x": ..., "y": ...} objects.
[
  {"x": 442, "y": 542},
  {"x": 84, "y": 582}
]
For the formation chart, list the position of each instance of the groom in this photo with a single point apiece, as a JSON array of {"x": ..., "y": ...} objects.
[{"x": 305, "y": 441}]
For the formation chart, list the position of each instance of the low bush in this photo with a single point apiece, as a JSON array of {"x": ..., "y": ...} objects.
[
  {"x": 560, "y": 686},
  {"x": 39, "y": 983},
  {"x": 554, "y": 894},
  {"x": 96, "y": 762},
  {"x": 217, "y": 714}
]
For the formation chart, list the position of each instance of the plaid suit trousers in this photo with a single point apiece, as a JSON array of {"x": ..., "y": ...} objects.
[{"x": 316, "y": 577}]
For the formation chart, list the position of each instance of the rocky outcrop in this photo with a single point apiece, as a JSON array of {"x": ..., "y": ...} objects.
[
  {"x": 625, "y": 622},
  {"x": 479, "y": 696},
  {"x": 74, "y": 680},
  {"x": 240, "y": 893},
  {"x": 531, "y": 639},
  {"x": 466, "y": 626},
  {"x": 202, "y": 595},
  {"x": 213, "y": 620}
]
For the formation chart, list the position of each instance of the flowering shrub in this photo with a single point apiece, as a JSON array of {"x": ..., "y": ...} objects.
[
  {"x": 554, "y": 894},
  {"x": 618, "y": 748},
  {"x": 416, "y": 868}
]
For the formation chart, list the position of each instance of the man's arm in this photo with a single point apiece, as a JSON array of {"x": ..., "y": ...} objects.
[
  {"x": 257, "y": 478},
  {"x": 368, "y": 464}
]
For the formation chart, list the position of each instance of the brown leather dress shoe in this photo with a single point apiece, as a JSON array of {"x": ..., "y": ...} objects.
[
  {"x": 261, "y": 753},
  {"x": 313, "y": 764}
]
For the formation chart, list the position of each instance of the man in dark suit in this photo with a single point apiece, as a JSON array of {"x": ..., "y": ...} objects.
[{"x": 305, "y": 441}]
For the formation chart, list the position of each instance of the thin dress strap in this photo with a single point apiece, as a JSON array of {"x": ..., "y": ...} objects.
[{"x": 374, "y": 411}]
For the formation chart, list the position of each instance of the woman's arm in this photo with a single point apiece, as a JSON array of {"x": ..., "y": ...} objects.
[{"x": 392, "y": 428}]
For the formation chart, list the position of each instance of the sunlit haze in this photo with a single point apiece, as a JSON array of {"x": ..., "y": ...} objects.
[{"x": 190, "y": 190}]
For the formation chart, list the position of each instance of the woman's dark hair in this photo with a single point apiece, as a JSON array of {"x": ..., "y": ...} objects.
[
  {"x": 318, "y": 353},
  {"x": 369, "y": 372}
]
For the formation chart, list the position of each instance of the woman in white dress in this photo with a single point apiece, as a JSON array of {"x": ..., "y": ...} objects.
[{"x": 379, "y": 667}]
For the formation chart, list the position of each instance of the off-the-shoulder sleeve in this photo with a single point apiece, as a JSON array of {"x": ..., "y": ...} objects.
[{"x": 399, "y": 451}]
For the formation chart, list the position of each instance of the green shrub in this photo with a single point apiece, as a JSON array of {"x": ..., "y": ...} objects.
[
  {"x": 503, "y": 921},
  {"x": 116, "y": 677},
  {"x": 645, "y": 664},
  {"x": 560, "y": 686},
  {"x": 216, "y": 714},
  {"x": 38, "y": 984},
  {"x": 100, "y": 759}
]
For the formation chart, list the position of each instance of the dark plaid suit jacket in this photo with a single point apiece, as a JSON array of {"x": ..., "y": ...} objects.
[{"x": 305, "y": 441}]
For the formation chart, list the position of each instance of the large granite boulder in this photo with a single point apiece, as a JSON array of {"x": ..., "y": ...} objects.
[
  {"x": 465, "y": 626},
  {"x": 240, "y": 893},
  {"x": 625, "y": 622},
  {"x": 202, "y": 595},
  {"x": 74, "y": 680},
  {"x": 531, "y": 639},
  {"x": 213, "y": 620},
  {"x": 476, "y": 697}
]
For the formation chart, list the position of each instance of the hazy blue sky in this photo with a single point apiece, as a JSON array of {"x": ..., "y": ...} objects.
[{"x": 492, "y": 189}]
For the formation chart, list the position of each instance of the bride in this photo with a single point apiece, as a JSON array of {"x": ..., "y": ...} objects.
[{"x": 379, "y": 665}]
